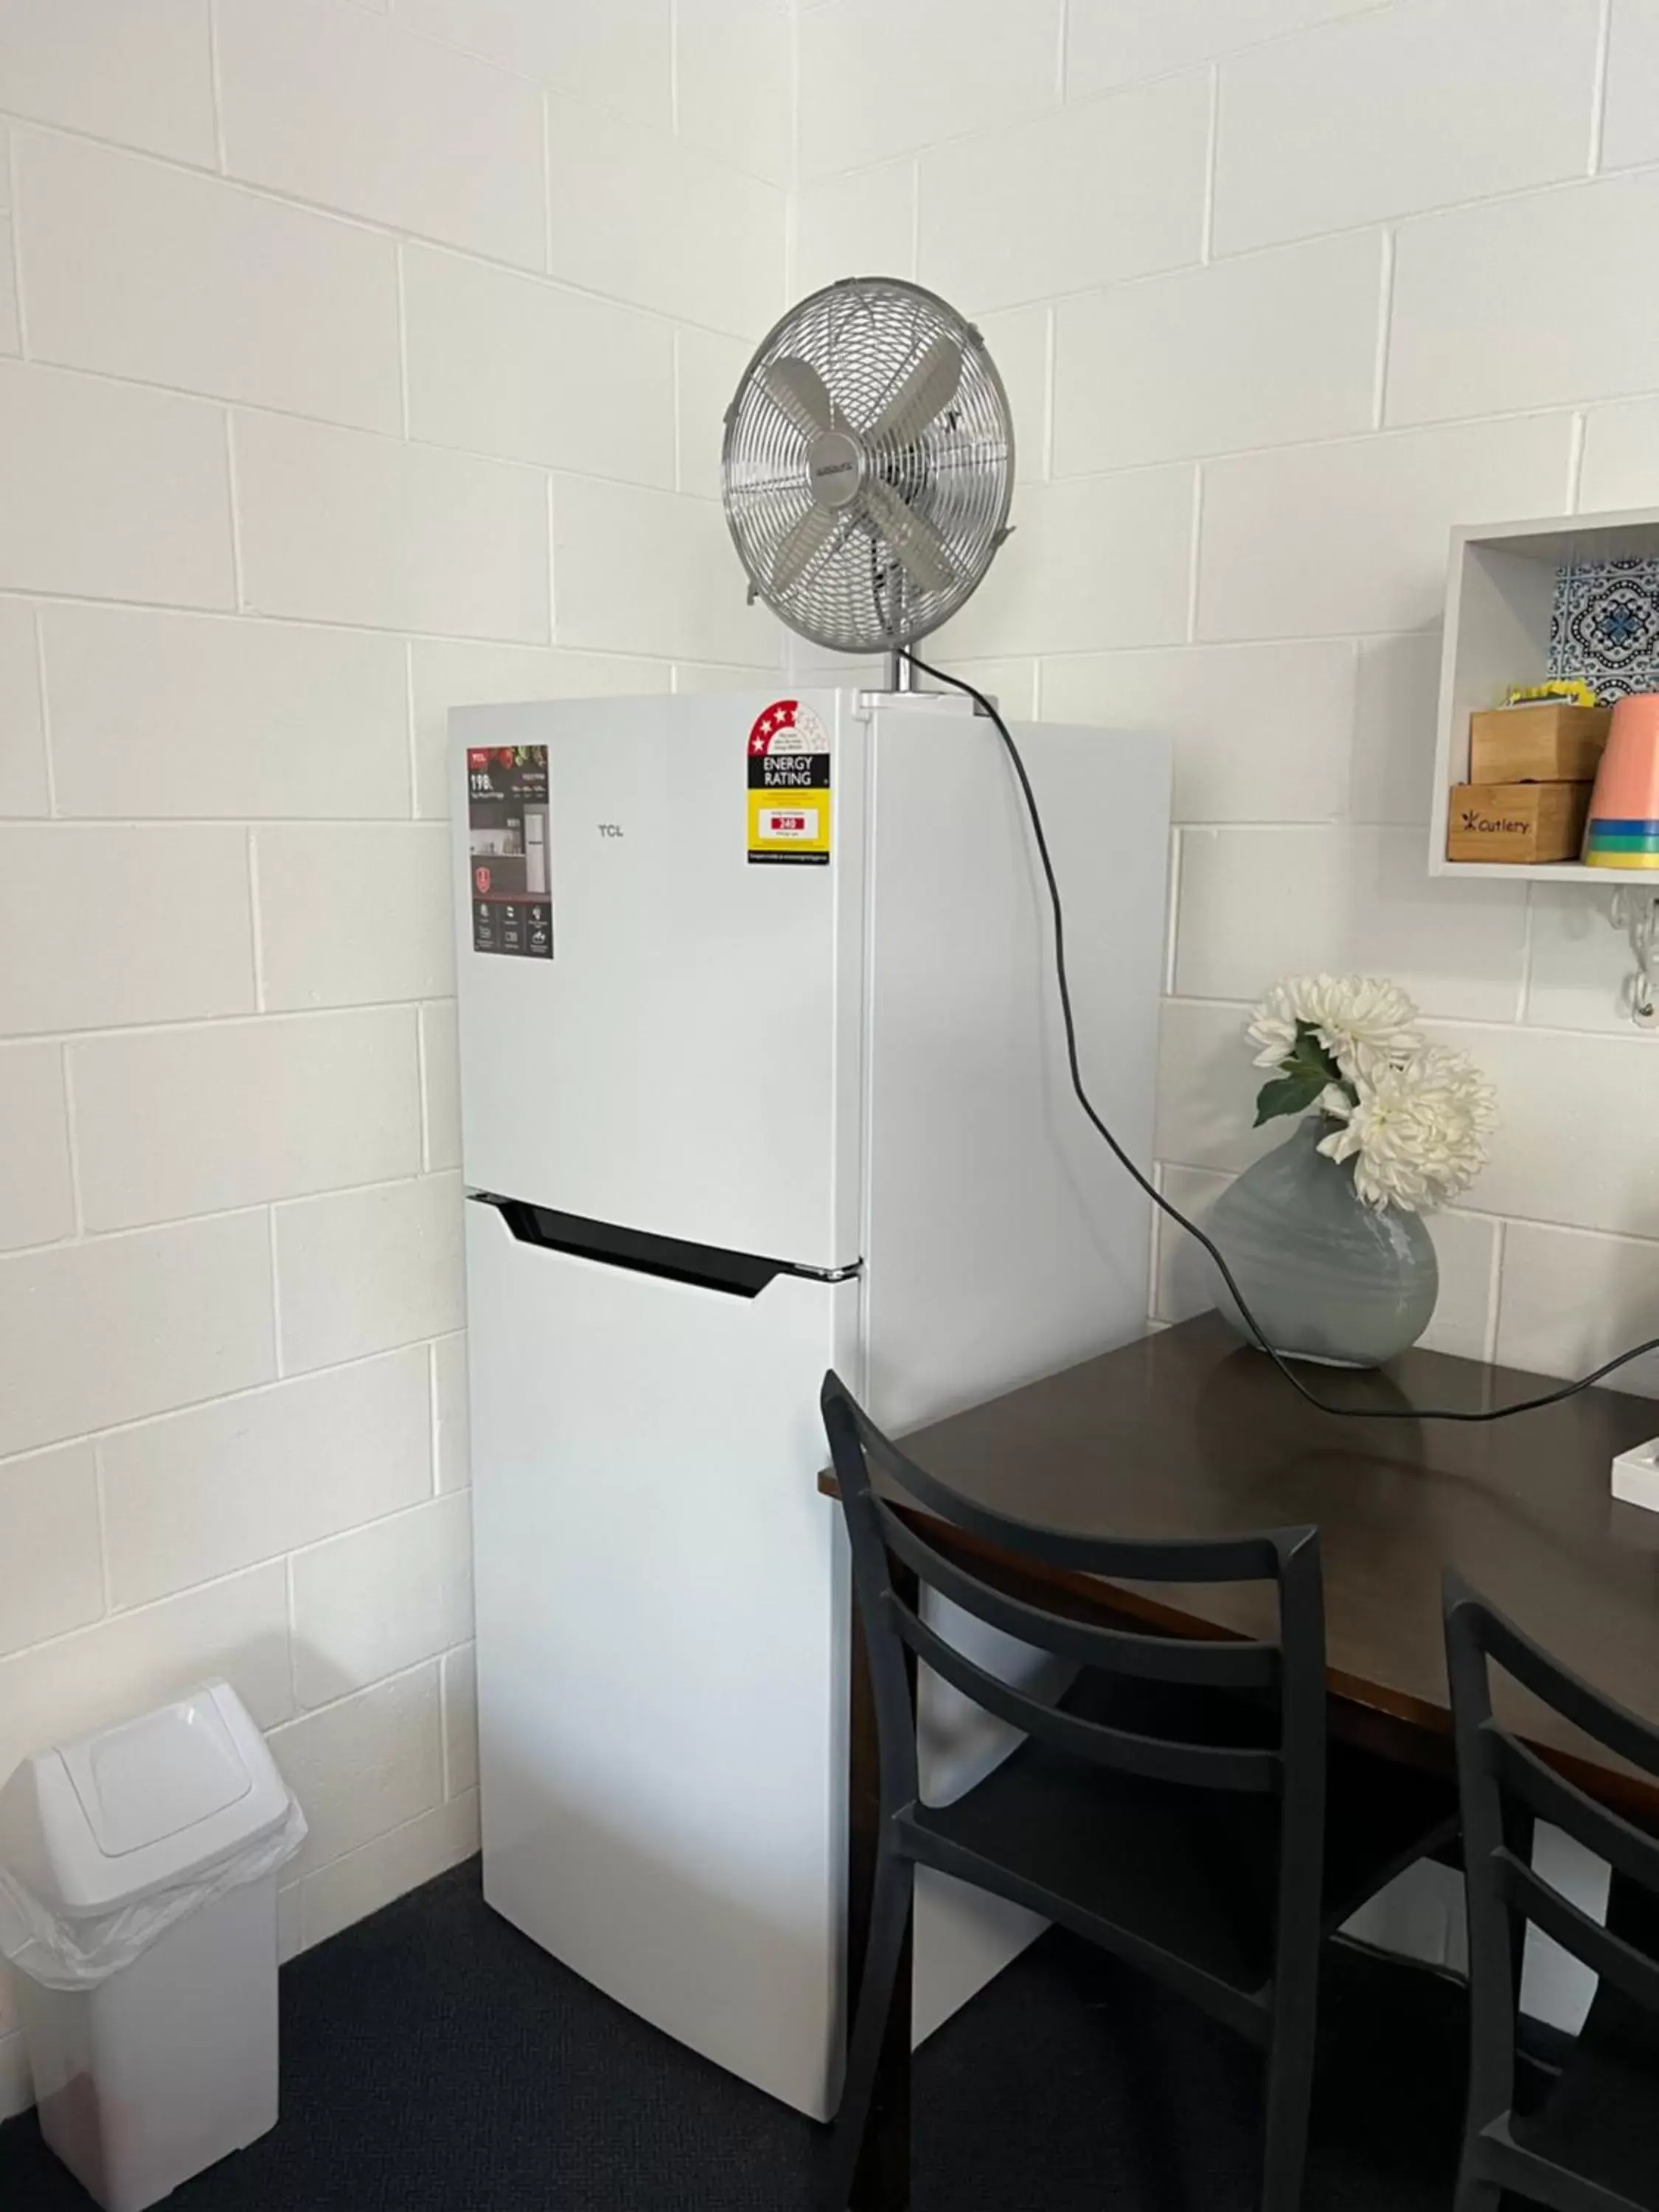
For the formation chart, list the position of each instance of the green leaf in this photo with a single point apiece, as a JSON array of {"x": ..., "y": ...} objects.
[
  {"x": 1289, "y": 1094},
  {"x": 1305, "y": 1072}
]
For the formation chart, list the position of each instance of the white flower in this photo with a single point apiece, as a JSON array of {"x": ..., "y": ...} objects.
[
  {"x": 1272, "y": 1024},
  {"x": 1364, "y": 1022},
  {"x": 1417, "y": 1136}
]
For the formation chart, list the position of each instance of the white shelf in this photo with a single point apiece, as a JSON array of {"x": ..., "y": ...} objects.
[
  {"x": 1550, "y": 872},
  {"x": 1500, "y": 593}
]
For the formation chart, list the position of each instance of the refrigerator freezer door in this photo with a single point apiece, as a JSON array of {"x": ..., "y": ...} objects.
[
  {"x": 687, "y": 1062},
  {"x": 660, "y": 1629}
]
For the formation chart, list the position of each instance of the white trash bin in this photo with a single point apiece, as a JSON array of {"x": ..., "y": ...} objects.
[{"x": 139, "y": 1906}]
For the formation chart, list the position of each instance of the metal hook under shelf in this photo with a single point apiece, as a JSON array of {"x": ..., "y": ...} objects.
[{"x": 1636, "y": 912}]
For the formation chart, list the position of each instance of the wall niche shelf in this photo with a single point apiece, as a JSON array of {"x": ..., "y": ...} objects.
[
  {"x": 1501, "y": 589},
  {"x": 1506, "y": 583}
]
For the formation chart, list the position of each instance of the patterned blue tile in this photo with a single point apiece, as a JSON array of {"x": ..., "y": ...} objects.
[{"x": 1605, "y": 626}]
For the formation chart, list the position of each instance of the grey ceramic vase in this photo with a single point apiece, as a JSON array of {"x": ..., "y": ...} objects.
[{"x": 1327, "y": 1277}]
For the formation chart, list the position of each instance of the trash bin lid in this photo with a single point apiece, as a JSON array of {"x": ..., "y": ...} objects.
[
  {"x": 148, "y": 1778},
  {"x": 100, "y": 1822}
]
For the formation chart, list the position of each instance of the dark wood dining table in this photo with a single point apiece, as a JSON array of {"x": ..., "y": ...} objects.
[{"x": 1188, "y": 1432}]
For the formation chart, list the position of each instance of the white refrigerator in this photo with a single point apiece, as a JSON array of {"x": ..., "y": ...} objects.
[{"x": 762, "y": 1073}]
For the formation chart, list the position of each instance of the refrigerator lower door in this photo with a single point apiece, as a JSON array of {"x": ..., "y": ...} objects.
[{"x": 660, "y": 1613}]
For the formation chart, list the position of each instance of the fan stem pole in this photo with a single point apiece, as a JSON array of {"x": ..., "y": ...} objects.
[{"x": 901, "y": 676}]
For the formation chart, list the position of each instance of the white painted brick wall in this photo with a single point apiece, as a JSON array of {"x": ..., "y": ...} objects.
[
  {"x": 1128, "y": 168},
  {"x": 112, "y": 491},
  {"x": 303, "y": 307},
  {"x": 649, "y": 218},
  {"x": 141, "y": 270},
  {"x": 1267, "y": 349}
]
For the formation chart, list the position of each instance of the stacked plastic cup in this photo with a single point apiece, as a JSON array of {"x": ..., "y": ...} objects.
[{"x": 1623, "y": 831}]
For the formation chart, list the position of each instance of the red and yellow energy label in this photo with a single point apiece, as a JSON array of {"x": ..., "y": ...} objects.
[{"x": 789, "y": 817}]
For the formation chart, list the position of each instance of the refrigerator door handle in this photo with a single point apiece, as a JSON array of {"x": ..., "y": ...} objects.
[{"x": 707, "y": 1266}]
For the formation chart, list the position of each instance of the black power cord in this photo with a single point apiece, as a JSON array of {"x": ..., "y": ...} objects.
[{"x": 1057, "y": 908}]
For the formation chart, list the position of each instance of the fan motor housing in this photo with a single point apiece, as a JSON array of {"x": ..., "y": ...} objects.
[{"x": 835, "y": 467}]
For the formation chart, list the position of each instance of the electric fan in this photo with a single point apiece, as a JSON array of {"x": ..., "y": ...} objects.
[{"x": 868, "y": 464}]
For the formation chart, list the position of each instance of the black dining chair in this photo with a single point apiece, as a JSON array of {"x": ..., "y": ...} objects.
[
  {"x": 1589, "y": 2142},
  {"x": 1179, "y": 1804}
]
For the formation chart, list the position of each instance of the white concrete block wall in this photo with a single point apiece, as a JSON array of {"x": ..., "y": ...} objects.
[
  {"x": 353, "y": 361},
  {"x": 1300, "y": 284}
]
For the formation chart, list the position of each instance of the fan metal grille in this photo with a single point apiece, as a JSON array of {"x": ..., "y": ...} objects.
[{"x": 863, "y": 337}]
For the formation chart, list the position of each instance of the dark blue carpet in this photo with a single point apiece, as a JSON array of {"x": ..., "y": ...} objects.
[{"x": 434, "y": 2060}]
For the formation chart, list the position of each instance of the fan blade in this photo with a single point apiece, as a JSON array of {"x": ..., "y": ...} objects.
[
  {"x": 796, "y": 390},
  {"x": 802, "y": 544},
  {"x": 913, "y": 538},
  {"x": 927, "y": 391}
]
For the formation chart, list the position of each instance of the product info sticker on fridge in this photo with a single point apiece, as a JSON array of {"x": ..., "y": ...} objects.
[
  {"x": 789, "y": 786},
  {"x": 509, "y": 853}
]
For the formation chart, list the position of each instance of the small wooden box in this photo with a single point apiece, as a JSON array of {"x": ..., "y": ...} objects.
[
  {"x": 1516, "y": 822},
  {"x": 1552, "y": 742}
]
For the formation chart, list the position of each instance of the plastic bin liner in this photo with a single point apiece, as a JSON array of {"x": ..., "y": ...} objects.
[{"x": 61, "y": 1954}]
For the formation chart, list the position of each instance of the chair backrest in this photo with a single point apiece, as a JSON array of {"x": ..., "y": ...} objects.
[
  {"x": 1287, "y": 1671},
  {"x": 1500, "y": 1778}
]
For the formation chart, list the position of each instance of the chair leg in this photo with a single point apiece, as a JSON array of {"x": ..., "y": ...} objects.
[
  {"x": 886, "y": 1951},
  {"x": 1520, "y": 1840},
  {"x": 1474, "y": 2194},
  {"x": 1290, "y": 2096}
]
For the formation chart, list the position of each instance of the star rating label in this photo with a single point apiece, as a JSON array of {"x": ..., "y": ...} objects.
[{"x": 789, "y": 819}]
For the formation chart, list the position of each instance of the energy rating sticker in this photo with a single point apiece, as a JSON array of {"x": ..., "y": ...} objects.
[{"x": 789, "y": 786}]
